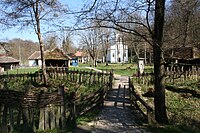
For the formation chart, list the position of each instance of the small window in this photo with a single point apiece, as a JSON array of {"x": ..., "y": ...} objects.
[
  {"x": 113, "y": 55},
  {"x": 124, "y": 54}
]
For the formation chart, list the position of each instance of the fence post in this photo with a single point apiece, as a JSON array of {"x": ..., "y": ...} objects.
[
  {"x": 11, "y": 119},
  {"x": 63, "y": 117},
  {"x": 4, "y": 120},
  {"x": 110, "y": 79}
]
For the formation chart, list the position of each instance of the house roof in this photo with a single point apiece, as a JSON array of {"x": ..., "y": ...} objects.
[
  {"x": 72, "y": 55},
  {"x": 35, "y": 55},
  {"x": 8, "y": 59},
  {"x": 56, "y": 54},
  {"x": 79, "y": 53}
]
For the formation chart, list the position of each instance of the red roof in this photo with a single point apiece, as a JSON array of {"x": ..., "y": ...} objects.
[{"x": 79, "y": 54}]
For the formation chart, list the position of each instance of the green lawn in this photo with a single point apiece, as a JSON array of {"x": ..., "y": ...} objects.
[
  {"x": 22, "y": 70},
  {"x": 121, "y": 69}
]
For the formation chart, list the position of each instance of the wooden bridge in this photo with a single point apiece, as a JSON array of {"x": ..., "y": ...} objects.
[{"x": 42, "y": 111}]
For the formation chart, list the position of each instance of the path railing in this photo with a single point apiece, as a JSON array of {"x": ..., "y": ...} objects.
[{"x": 135, "y": 98}]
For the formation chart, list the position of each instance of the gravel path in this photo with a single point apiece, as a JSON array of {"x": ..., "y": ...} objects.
[{"x": 116, "y": 115}]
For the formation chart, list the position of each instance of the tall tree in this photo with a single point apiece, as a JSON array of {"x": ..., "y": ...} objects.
[
  {"x": 67, "y": 44},
  {"x": 50, "y": 41},
  {"x": 159, "y": 99},
  {"x": 126, "y": 16},
  {"x": 38, "y": 14}
]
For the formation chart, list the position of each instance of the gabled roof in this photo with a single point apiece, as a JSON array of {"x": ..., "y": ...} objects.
[
  {"x": 35, "y": 55},
  {"x": 72, "y": 55},
  {"x": 56, "y": 54},
  {"x": 79, "y": 53},
  {"x": 8, "y": 59}
]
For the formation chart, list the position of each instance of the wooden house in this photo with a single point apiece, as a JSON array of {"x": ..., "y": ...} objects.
[
  {"x": 55, "y": 57},
  {"x": 183, "y": 55},
  {"x": 82, "y": 57},
  {"x": 182, "y": 59},
  {"x": 6, "y": 62}
]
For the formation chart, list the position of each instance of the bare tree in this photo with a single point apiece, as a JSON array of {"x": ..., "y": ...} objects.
[
  {"x": 91, "y": 40},
  {"x": 37, "y": 14},
  {"x": 67, "y": 43},
  {"x": 50, "y": 41},
  {"x": 126, "y": 16},
  {"x": 182, "y": 23}
]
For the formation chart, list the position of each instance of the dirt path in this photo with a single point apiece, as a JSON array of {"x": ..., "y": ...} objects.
[{"x": 116, "y": 115}]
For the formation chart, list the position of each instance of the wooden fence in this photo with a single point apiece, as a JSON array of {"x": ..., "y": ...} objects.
[
  {"x": 62, "y": 73},
  {"x": 171, "y": 76},
  {"x": 27, "y": 112},
  {"x": 137, "y": 101}
]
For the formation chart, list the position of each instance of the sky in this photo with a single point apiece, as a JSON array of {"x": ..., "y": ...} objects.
[{"x": 30, "y": 34}]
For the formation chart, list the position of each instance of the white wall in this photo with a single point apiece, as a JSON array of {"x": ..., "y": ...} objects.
[
  {"x": 123, "y": 54},
  {"x": 32, "y": 62}
]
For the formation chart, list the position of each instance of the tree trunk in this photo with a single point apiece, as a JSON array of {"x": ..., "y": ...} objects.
[
  {"x": 159, "y": 99},
  {"x": 38, "y": 32},
  {"x": 43, "y": 63}
]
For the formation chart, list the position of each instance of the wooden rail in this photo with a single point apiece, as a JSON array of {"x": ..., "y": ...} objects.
[{"x": 134, "y": 97}]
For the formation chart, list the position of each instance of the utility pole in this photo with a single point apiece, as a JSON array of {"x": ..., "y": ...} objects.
[{"x": 20, "y": 55}]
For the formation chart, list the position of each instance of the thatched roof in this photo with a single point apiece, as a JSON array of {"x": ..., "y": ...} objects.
[
  {"x": 56, "y": 54},
  {"x": 8, "y": 59}
]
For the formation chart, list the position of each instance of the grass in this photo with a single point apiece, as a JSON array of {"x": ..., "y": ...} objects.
[
  {"x": 22, "y": 70},
  {"x": 88, "y": 117},
  {"x": 171, "y": 129},
  {"x": 182, "y": 110},
  {"x": 120, "y": 69}
]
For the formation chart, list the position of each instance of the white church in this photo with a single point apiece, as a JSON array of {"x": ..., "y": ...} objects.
[{"x": 118, "y": 53}]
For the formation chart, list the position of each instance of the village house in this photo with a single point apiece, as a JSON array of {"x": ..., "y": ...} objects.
[
  {"x": 183, "y": 55},
  {"x": 118, "y": 53},
  {"x": 7, "y": 62},
  {"x": 74, "y": 59},
  {"x": 55, "y": 57},
  {"x": 82, "y": 58}
]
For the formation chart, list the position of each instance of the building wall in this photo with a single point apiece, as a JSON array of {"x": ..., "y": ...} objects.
[
  {"x": 118, "y": 53},
  {"x": 32, "y": 63},
  {"x": 35, "y": 62}
]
